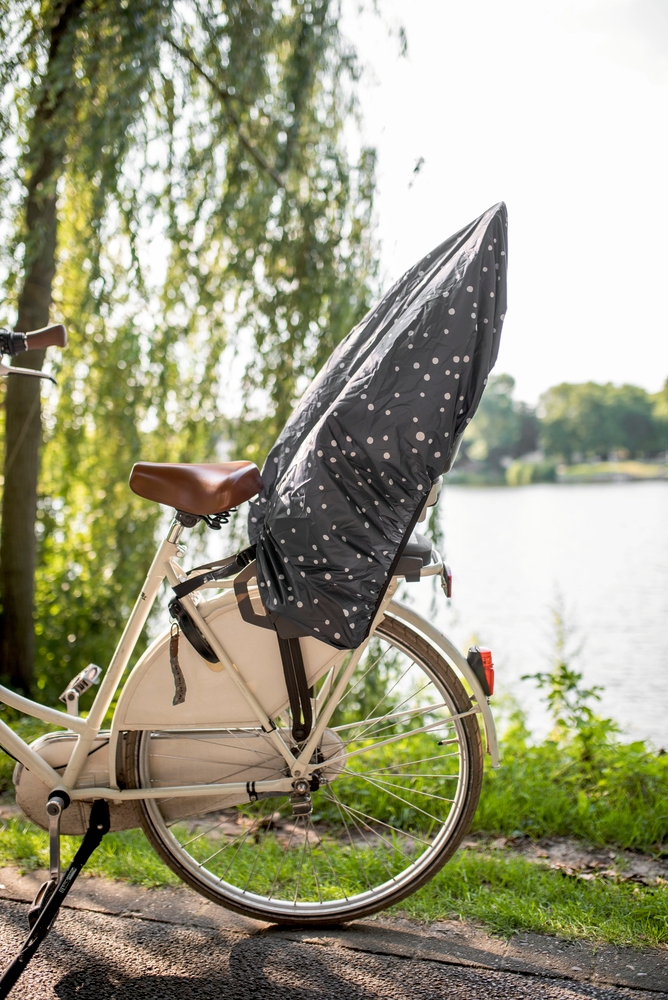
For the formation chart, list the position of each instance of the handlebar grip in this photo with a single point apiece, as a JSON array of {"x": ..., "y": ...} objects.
[{"x": 50, "y": 336}]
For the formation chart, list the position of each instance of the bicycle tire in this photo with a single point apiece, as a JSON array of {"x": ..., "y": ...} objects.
[{"x": 379, "y": 841}]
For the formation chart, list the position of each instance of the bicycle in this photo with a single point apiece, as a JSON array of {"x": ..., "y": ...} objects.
[{"x": 272, "y": 814}]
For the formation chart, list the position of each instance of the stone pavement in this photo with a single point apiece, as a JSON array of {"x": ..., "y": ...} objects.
[{"x": 116, "y": 940}]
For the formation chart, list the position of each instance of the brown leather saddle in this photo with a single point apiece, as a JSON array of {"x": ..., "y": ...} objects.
[{"x": 196, "y": 489}]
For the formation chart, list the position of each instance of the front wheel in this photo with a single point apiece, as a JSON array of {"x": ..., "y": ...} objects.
[{"x": 393, "y": 804}]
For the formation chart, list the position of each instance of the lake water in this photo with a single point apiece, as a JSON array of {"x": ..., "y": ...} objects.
[{"x": 602, "y": 549}]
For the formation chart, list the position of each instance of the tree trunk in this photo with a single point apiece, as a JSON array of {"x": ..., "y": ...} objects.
[{"x": 23, "y": 425}]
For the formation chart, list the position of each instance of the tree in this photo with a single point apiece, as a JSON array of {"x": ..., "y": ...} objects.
[
  {"x": 180, "y": 191},
  {"x": 590, "y": 419},
  {"x": 660, "y": 414},
  {"x": 502, "y": 427}
]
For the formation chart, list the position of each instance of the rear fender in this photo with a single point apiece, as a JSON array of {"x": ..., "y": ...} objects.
[{"x": 452, "y": 654}]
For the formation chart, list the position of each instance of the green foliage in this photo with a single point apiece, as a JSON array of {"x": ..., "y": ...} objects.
[
  {"x": 566, "y": 699},
  {"x": 572, "y": 421},
  {"x": 125, "y": 855},
  {"x": 592, "y": 419},
  {"x": 28, "y": 729},
  {"x": 619, "y": 795},
  {"x": 660, "y": 413},
  {"x": 209, "y": 220},
  {"x": 374, "y": 693},
  {"x": 593, "y": 472},
  {"x": 502, "y": 427},
  {"x": 523, "y": 473},
  {"x": 581, "y": 782}
]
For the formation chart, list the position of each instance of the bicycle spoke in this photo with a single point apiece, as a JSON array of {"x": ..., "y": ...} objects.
[
  {"x": 382, "y": 860},
  {"x": 388, "y": 693},
  {"x": 323, "y": 847},
  {"x": 382, "y": 718},
  {"x": 258, "y": 853},
  {"x": 352, "y": 843},
  {"x": 395, "y": 829},
  {"x": 393, "y": 713},
  {"x": 373, "y": 781},
  {"x": 313, "y": 868},
  {"x": 408, "y": 763},
  {"x": 372, "y": 836},
  {"x": 280, "y": 867},
  {"x": 417, "y": 791},
  {"x": 387, "y": 742},
  {"x": 425, "y": 774}
]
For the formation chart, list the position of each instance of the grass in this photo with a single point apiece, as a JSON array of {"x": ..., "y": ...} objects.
[
  {"x": 126, "y": 855},
  {"x": 616, "y": 793},
  {"x": 507, "y": 894},
  {"x": 511, "y": 894},
  {"x": 582, "y": 783}
]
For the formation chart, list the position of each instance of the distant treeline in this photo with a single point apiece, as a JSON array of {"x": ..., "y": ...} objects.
[{"x": 572, "y": 423}]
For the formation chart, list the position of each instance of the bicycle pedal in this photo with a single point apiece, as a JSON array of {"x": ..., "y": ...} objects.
[{"x": 42, "y": 897}]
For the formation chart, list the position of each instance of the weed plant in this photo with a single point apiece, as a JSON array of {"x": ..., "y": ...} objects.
[
  {"x": 583, "y": 781},
  {"x": 615, "y": 794}
]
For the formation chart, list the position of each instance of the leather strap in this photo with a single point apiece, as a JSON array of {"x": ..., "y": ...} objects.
[
  {"x": 219, "y": 570},
  {"x": 291, "y": 654},
  {"x": 177, "y": 673},
  {"x": 244, "y": 601},
  {"x": 298, "y": 690}
]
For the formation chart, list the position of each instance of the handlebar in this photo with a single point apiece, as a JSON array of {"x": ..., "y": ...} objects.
[
  {"x": 50, "y": 336},
  {"x": 37, "y": 340},
  {"x": 16, "y": 343}
]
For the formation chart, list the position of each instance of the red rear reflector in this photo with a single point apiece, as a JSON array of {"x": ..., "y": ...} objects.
[{"x": 480, "y": 660}]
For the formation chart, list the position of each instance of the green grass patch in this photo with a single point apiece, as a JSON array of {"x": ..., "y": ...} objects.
[
  {"x": 126, "y": 855},
  {"x": 509, "y": 894},
  {"x": 617, "y": 795}
]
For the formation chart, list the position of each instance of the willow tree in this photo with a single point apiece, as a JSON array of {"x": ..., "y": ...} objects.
[{"x": 181, "y": 198}]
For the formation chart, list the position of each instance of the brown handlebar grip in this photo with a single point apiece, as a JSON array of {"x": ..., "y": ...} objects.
[{"x": 50, "y": 336}]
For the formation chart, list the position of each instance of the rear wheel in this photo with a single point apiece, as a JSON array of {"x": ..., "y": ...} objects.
[{"x": 392, "y": 807}]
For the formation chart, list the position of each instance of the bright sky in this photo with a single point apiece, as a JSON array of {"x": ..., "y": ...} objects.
[{"x": 559, "y": 109}]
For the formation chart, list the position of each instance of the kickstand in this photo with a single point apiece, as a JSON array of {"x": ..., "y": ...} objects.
[
  {"x": 51, "y": 894},
  {"x": 54, "y": 810}
]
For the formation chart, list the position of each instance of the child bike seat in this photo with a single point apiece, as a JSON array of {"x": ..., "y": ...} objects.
[
  {"x": 416, "y": 553},
  {"x": 196, "y": 489}
]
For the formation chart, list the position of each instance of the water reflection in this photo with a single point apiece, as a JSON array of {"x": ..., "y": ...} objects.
[{"x": 604, "y": 548}]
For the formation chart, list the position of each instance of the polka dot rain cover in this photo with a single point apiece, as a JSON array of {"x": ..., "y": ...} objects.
[{"x": 347, "y": 478}]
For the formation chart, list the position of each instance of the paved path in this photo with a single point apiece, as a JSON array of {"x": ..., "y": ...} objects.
[{"x": 118, "y": 941}]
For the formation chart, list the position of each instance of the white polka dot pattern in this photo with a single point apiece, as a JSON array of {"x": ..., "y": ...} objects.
[{"x": 347, "y": 476}]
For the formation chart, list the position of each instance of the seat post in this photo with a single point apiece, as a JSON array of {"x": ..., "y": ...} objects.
[{"x": 175, "y": 531}]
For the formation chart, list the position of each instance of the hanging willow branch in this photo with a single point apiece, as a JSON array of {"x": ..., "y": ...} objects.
[
  {"x": 230, "y": 113},
  {"x": 171, "y": 252}
]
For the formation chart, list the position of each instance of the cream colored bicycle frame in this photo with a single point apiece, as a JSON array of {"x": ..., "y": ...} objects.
[{"x": 164, "y": 566}]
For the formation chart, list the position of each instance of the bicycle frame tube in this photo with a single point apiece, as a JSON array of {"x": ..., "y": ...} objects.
[{"x": 87, "y": 730}]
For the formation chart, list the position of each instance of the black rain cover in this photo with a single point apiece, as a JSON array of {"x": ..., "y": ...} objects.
[{"x": 347, "y": 478}]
